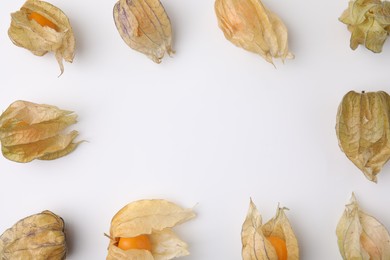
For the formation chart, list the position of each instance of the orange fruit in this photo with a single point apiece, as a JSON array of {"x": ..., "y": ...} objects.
[
  {"x": 138, "y": 242},
  {"x": 280, "y": 247},
  {"x": 43, "y": 21}
]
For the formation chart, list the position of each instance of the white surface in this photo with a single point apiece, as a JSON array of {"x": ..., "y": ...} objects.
[{"x": 210, "y": 127}]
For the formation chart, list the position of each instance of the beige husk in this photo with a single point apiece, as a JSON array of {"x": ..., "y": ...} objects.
[
  {"x": 368, "y": 21},
  {"x": 250, "y": 25},
  {"x": 38, "y": 237},
  {"x": 255, "y": 244},
  {"x": 363, "y": 130},
  {"x": 145, "y": 27},
  {"x": 154, "y": 218},
  {"x": 40, "y": 39},
  {"x": 361, "y": 236},
  {"x": 31, "y": 131}
]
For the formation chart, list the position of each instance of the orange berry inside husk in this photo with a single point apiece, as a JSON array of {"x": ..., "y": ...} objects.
[
  {"x": 138, "y": 242},
  {"x": 43, "y": 21},
  {"x": 280, "y": 247}
]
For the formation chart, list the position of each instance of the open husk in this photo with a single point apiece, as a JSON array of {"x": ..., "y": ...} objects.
[
  {"x": 256, "y": 237},
  {"x": 31, "y": 131},
  {"x": 363, "y": 130},
  {"x": 41, "y": 27},
  {"x": 145, "y": 27},
  {"x": 39, "y": 237},
  {"x": 154, "y": 218},
  {"x": 360, "y": 236},
  {"x": 250, "y": 25},
  {"x": 369, "y": 23}
]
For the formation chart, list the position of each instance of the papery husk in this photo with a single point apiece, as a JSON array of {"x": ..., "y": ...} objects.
[
  {"x": 250, "y": 25},
  {"x": 144, "y": 26},
  {"x": 368, "y": 21},
  {"x": 255, "y": 245},
  {"x": 115, "y": 253},
  {"x": 39, "y": 39},
  {"x": 38, "y": 237},
  {"x": 154, "y": 218},
  {"x": 31, "y": 131},
  {"x": 360, "y": 236},
  {"x": 363, "y": 130}
]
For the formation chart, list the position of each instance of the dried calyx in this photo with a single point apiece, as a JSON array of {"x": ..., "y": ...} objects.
[
  {"x": 363, "y": 130},
  {"x": 360, "y": 236},
  {"x": 143, "y": 230},
  {"x": 41, "y": 27},
  {"x": 31, "y": 131},
  {"x": 273, "y": 240},
  {"x": 369, "y": 23},
  {"x": 250, "y": 25},
  {"x": 40, "y": 237},
  {"x": 145, "y": 27}
]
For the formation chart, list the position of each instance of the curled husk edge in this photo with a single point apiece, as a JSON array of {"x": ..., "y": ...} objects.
[{"x": 369, "y": 23}]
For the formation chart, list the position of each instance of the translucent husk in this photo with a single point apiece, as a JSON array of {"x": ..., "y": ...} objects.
[
  {"x": 154, "y": 218},
  {"x": 28, "y": 33},
  {"x": 145, "y": 27},
  {"x": 360, "y": 236},
  {"x": 39, "y": 237},
  {"x": 368, "y": 21},
  {"x": 255, "y": 245},
  {"x": 31, "y": 131},
  {"x": 250, "y": 25},
  {"x": 363, "y": 130}
]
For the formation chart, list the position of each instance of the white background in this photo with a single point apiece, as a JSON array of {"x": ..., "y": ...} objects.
[{"x": 211, "y": 127}]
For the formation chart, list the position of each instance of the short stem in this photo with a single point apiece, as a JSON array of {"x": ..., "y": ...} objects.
[{"x": 109, "y": 237}]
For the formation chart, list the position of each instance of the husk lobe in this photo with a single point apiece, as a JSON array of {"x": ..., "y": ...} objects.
[
  {"x": 145, "y": 27},
  {"x": 363, "y": 130},
  {"x": 38, "y": 39},
  {"x": 368, "y": 21},
  {"x": 40, "y": 236},
  {"x": 31, "y": 131},
  {"x": 250, "y": 25},
  {"x": 361, "y": 236},
  {"x": 154, "y": 218},
  {"x": 255, "y": 244}
]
